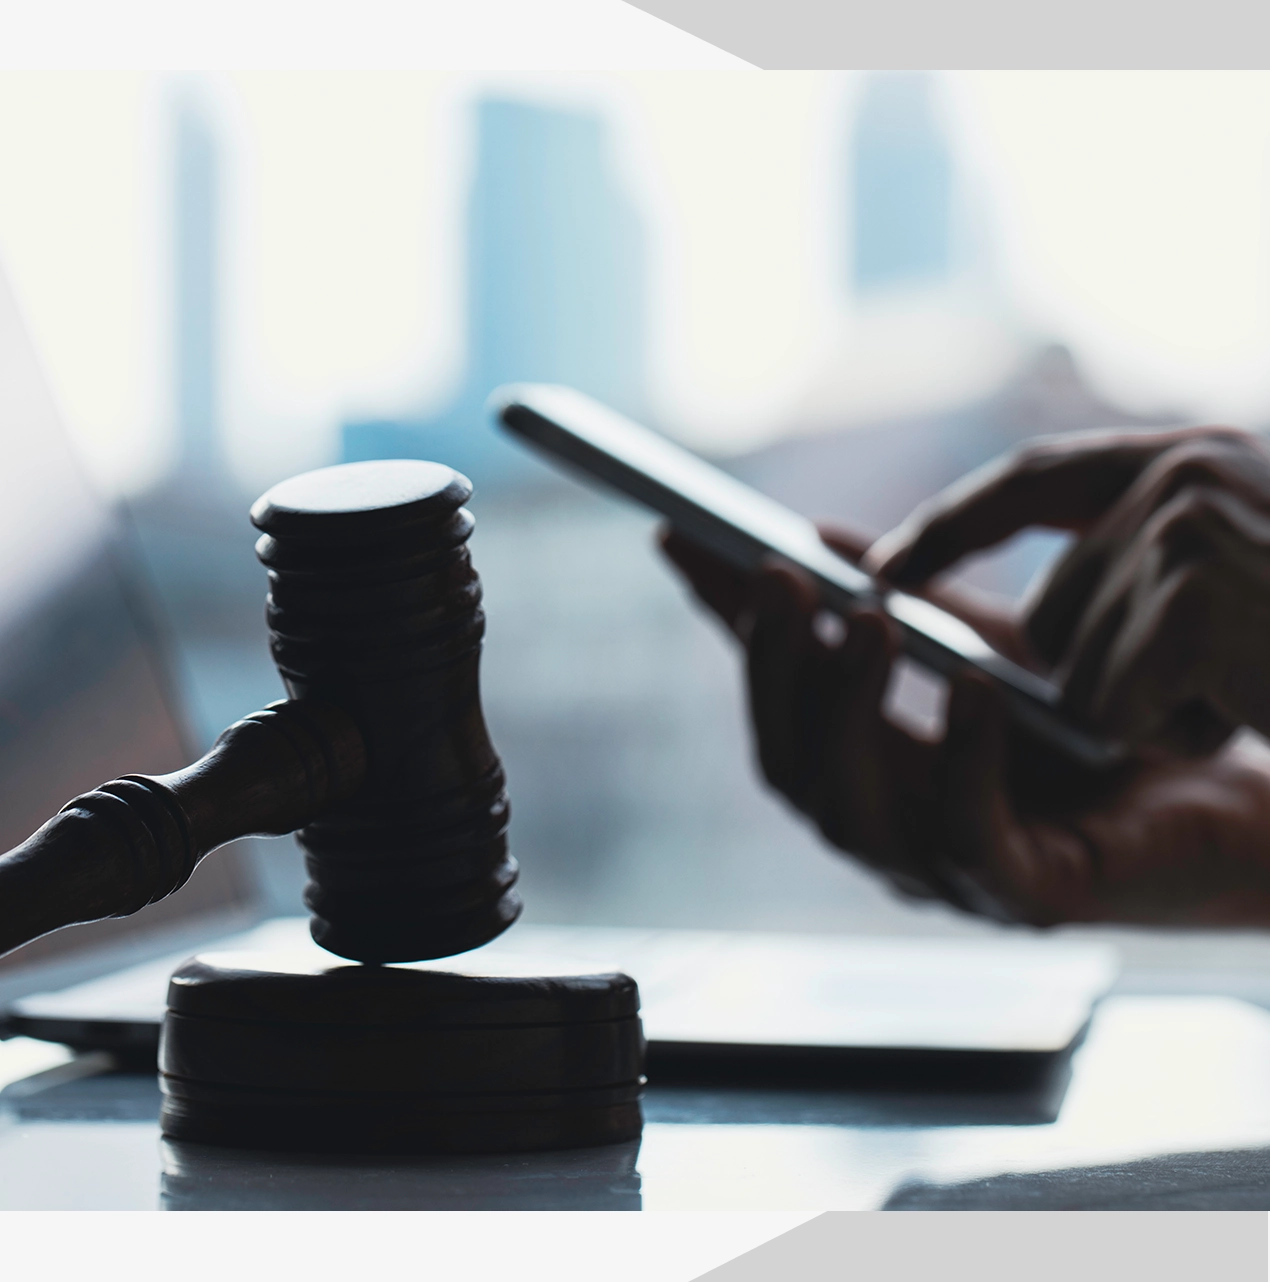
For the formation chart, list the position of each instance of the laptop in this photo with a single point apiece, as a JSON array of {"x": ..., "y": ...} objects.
[{"x": 86, "y": 685}]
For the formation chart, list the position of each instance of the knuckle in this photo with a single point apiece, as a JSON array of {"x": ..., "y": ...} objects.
[
  {"x": 1214, "y": 456},
  {"x": 1198, "y": 503},
  {"x": 1196, "y": 463},
  {"x": 1036, "y": 457},
  {"x": 1216, "y": 436},
  {"x": 1231, "y": 437},
  {"x": 1193, "y": 517}
]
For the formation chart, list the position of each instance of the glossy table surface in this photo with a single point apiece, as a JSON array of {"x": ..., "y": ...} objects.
[{"x": 1165, "y": 1104}]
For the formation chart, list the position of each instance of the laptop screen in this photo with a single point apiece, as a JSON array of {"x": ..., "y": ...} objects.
[{"x": 85, "y": 694}]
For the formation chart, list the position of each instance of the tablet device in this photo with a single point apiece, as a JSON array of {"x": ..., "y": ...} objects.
[{"x": 745, "y": 527}]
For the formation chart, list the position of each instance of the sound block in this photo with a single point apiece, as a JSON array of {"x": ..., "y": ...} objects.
[{"x": 270, "y": 1052}]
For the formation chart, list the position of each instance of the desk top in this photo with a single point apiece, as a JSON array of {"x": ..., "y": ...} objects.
[{"x": 1167, "y": 1106}]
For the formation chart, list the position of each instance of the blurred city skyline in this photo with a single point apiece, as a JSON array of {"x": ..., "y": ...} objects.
[
  {"x": 1126, "y": 215},
  {"x": 555, "y": 271},
  {"x": 555, "y": 268}
]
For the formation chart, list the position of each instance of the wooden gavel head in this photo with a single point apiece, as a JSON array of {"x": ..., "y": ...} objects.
[{"x": 374, "y": 608}]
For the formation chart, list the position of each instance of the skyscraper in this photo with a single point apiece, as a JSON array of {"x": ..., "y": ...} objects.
[
  {"x": 196, "y": 276},
  {"x": 555, "y": 287},
  {"x": 901, "y": 185}
]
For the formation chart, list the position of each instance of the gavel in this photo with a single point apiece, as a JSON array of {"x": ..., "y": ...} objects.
[
  {"x": 381, "y": 757},
  {"x": 381, "y": 763}
]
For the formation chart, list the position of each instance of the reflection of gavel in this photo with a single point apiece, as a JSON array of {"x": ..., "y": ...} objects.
[{"x": 380, "y": 758}]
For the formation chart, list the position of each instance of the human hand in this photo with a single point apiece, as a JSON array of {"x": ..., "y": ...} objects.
[
  {"x": 1155, "y": 621},
  {"x": 980, "y": 819}
]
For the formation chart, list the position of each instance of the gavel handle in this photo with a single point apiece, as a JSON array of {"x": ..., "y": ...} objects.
[{"x": 137, "y": 839}]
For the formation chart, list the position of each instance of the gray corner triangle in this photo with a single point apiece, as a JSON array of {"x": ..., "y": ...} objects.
[
  {"x": 795, "y": 1254},
  {"x": 1005, "y": 1246},
  {"x": 864, "y": 35},
  {"x": 789, "y": 35}
]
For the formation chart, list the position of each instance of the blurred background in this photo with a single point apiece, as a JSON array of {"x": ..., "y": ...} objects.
[{"x": 847, "y": 288}]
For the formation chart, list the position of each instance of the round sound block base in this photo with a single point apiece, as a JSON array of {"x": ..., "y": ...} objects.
[
  {"x": 321, "y": 1129},
  {"x": 308, "y": 1055}
]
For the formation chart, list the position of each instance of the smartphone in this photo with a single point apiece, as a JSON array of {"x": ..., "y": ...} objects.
[{"x": 745, "y": 527}]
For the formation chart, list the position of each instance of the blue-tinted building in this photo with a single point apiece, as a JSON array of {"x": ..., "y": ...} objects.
[
  {"x": 901, "y": 185},
  {"x": 196, "y": 276},
  {"x": 556, "y": 288}
]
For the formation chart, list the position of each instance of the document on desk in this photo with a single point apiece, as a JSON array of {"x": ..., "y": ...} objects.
[
  {"x": 738, "y": 988},
  {"x": 711, "y": 988}
]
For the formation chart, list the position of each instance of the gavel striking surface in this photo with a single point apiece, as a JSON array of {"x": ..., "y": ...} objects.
[{"x": 261, "y": 1052}]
